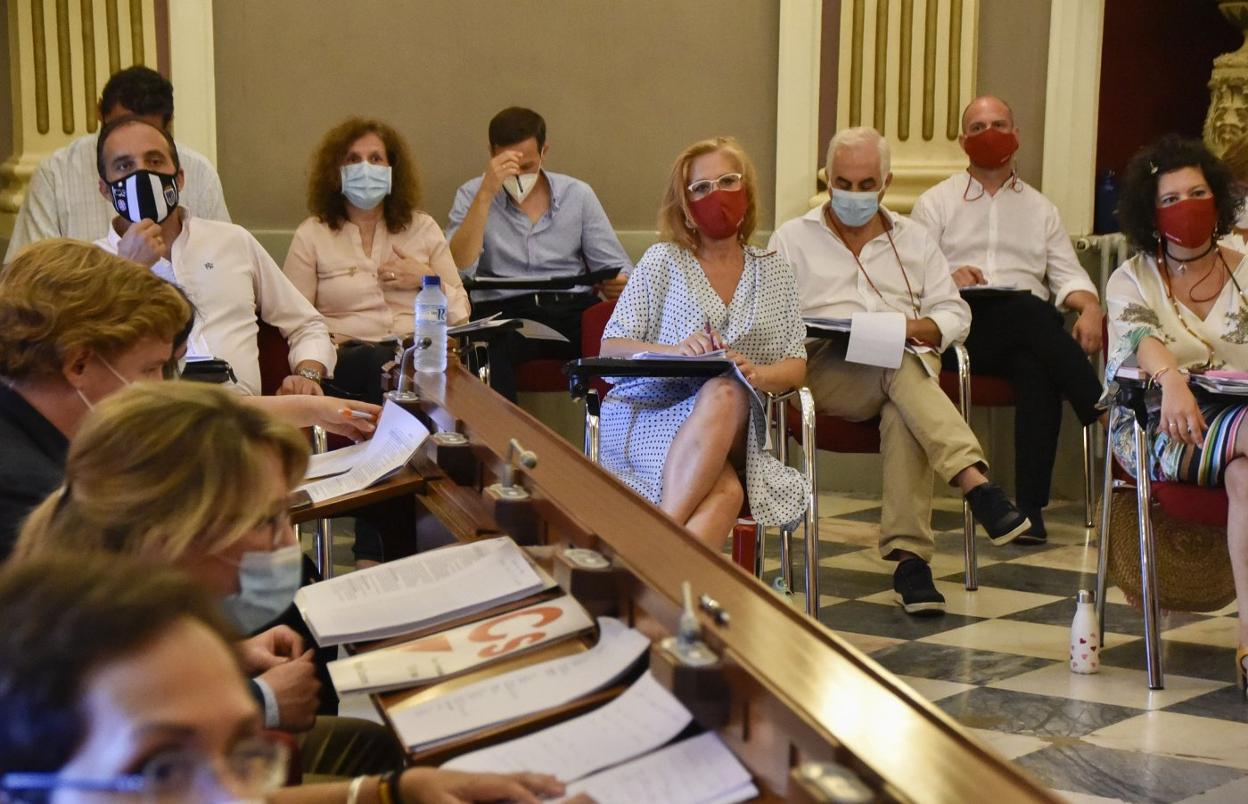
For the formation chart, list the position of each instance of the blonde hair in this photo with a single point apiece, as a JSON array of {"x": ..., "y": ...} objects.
[
  {"x": 59, "y": 296},
  {"x": 674, "y": 214},
  {"x": 164, "y": 471},
  {"x": 860, "y": 135}
]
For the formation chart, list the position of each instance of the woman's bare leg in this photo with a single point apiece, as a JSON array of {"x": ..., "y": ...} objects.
[
  {"x": 712, "y": 520},
  {"x": 714, "y": 431}
]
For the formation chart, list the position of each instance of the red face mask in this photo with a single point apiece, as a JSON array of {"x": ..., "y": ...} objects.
[
  {"x": 719, "y": 215},
  {"x": 1188, "y": 223},
  {"x": 991, "y": 148}
]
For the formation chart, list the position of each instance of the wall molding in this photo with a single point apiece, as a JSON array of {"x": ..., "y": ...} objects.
[
  {"x": 797, "y": 106},
  {"x": 192, "y": 71},
  {"x": 1071, "y": 99}
]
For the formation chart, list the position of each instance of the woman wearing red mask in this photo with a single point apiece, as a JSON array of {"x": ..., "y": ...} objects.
[
  {"x": 1179, "y": 306},
  {"x": 683, "y": 443}
]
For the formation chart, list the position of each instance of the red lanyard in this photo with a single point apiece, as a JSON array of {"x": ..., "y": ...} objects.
[{"x": 889, "y": 234}]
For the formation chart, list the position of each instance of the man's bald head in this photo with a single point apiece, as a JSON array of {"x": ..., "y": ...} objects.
[{"x": 985, "y": 112}]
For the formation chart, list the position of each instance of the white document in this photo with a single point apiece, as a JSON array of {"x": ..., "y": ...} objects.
[
  {"x": 877, "y": 339},
  {"x": 716, "y": 354},
  {"x": 419, "y": 591},
  {"x": 423, "y": 661},
  {"x": 474, "y": 326},
  {"x": 644, "y": 718},
  {"x": 521, "y": 692},
  {"x": 399, "y": 434},
  {"x": 336, "y": 461},
  {"x": 987, "y": 286},
  {"x": 700, "y": 770},
  {"x": 537, "y": 331}
]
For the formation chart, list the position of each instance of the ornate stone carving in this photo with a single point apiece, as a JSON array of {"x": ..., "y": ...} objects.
[{"x": 1226, "y": 125}]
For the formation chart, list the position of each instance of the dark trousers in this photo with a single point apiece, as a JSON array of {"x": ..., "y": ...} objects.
[
  {"x": 559, "y": 311},
  {"x": 1023, "y": 339}
]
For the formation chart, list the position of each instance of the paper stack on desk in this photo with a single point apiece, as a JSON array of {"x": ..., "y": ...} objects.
[
  {"x": 424, "y": 661},
  {"x": 828, "y": 324},
  {"x": 699, "y": 770},
  {"x": 419, "y": 591},
  {"x": 519, "y": 693},
  {"x": 715, "y": 354},
  {"x": 399, "y": 434},
  {"x": 1223, "y": 381}
]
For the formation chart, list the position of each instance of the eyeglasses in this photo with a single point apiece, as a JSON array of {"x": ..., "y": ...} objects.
[
  {"x": 277, "y": 524},
  {"x": 729, "y": 183},
  {"x": 254, "y": 768}
]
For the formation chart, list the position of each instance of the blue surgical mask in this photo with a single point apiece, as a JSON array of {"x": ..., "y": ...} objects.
[
  {"x": 365, "y": 184},
  {"x": 855, "y": 209},
  {"x": 267, "y": 582}
]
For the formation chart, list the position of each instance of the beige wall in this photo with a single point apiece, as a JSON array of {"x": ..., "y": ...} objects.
[
  {"x": 6, "y": 96},
  {"x": 623, "y": 86},
  {"x": 1013, "y": 64}
]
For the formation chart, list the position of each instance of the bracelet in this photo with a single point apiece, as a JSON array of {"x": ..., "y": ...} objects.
[
  {"x": 383, "y": 791},
  {"x": 353, "y": 792},
  {"x": 1155, "y": 380},
  {"x": 391, "y": 781}
]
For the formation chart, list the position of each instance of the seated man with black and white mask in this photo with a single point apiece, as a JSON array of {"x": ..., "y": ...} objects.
[{"x": 224, "y": 271}]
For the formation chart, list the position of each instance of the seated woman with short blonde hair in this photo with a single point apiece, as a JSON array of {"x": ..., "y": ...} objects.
[{"x": 361, "y": 257}]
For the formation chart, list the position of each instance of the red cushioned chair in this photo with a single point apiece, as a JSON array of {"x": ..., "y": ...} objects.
[
  {"x": 990, "y": 391},
  {"x": 834, "y": 434}
]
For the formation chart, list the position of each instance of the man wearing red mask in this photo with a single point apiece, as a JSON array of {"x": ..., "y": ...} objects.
[{"x": 998, "y": 231}]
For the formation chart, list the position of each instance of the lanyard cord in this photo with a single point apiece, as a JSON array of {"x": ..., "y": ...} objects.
[
  {"x": 889, "y": 234},
  {"x": 1178, "y": 311},
  {"x": 1011, "y": 182}
]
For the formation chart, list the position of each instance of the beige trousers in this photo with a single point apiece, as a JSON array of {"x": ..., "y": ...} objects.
[{"x": 921, "y": 431}]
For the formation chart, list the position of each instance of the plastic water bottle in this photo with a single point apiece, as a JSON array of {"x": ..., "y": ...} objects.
[
  {"x": 1085, "y": 637},
  {"x": 431, "y": 324}
]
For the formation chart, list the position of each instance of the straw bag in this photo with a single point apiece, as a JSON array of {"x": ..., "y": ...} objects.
[{"x": 1193, "y": 566}]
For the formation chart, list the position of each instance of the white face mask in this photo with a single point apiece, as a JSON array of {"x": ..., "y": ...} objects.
[
  {"x": 519, "y": 187},
  {"x": 116, "y": 373},
  {"x": 267, "y": 584},
  {"x": 364, "y": 184}
]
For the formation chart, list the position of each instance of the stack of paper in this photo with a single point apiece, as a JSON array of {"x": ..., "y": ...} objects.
[
  {"x": 399, "y": 434},
  {"x": 715, "y": 354},
  {"x": 423, "y": 661},
  {"x": 1230, "y": 383},
  {"x": 700, "y": 770},
  {"x": 533, "y": 330},
  {"x": 644, "y": 718},
  {"x": 521, "y": 692},
  {"x": 420, "y": 591},
  {"x": 829, "y": 324}
]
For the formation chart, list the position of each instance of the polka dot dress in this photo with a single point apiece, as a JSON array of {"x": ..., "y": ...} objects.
[{"x": 667, "y": 298}]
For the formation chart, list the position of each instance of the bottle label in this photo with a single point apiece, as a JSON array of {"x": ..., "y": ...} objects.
[{"x": 430, "y": 314}]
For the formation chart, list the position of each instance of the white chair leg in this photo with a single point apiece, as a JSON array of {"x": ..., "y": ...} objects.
[
  {"x": 1148, "y": 565},
  {"x": 1089, "y": 475},
  {"x": 970, "y": 560},
  {"x": 323, "y": 536},
  {"x": 812, "y": 501}
]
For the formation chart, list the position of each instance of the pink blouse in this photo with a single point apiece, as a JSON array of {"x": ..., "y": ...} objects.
[{"x": 332, "y": 271}]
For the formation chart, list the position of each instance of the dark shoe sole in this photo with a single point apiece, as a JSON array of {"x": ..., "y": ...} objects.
[
  {"x": 1012, "y": 534},
  {"x": 1032, "y": 539},
  {"x": 928, "y": 609}
]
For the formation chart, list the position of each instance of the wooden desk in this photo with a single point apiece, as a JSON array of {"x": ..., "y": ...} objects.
[
  {"x": 796, "y": 691},
  {"x": 406, "y": 481}
]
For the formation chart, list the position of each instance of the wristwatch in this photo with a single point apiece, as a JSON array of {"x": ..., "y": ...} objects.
[{"x": 310, "y": 373}]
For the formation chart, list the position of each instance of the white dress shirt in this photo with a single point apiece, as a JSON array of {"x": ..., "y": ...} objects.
[
  {"x": 830, "y": 285},
  {"x": 230, "y": 279},
  {"x": 1015, "y": 237},
  {"x": 63, "y": 199}
]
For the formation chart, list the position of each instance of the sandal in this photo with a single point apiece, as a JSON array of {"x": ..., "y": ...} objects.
[{"x": 1241, "y": 673}]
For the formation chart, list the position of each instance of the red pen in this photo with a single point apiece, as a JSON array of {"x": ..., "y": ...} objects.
[{"x": 710, "y": 334}]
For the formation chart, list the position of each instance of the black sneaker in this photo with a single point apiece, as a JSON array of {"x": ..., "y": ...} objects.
[
  {"x": 1036, "y": 533},
  {"x": 914, "y": 590},
  {"x": 998, "y": 516}
]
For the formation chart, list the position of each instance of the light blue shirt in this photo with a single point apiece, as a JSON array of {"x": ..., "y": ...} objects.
[{"x": 572, "y": 238}]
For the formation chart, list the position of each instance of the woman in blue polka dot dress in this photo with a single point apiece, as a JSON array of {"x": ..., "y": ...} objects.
[{"x": 682, "y": 443}]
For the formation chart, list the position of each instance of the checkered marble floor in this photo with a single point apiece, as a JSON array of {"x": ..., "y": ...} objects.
[{"x": 996, "y": 661}]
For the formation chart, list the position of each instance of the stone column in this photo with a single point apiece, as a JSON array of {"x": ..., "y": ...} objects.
[
  {"x": 60, "y": 54},
  {"x": 907, "y": 69}
]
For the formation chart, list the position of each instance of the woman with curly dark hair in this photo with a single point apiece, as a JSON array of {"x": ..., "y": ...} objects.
[
  {"x": 361, "y": 256},
  {"x": 1178, "y": 306}
]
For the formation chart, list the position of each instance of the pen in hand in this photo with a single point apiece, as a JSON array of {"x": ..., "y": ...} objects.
[
  {"x": 710, "y": 334},
  {"x": 348, "y": 413}
]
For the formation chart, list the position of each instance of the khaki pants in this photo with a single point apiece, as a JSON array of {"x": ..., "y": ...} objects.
[{"x": 921, "y": 431}]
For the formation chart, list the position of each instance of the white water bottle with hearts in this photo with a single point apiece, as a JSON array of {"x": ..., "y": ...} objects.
[{"x": 1085, "y": 637}]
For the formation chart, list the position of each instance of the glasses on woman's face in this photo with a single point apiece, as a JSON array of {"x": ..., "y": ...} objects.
[
  {"x": 253, "y": 768},
  {"x": 277, "y": 525},
  {"x": 729, "y": 183}
]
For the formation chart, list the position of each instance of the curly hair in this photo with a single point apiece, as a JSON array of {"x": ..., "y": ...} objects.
[
  {"x": 674, "y": 210},
  {"x": 1137, "y": 204},
  {"x": 325, "y": 199},
  {"x": 59, "y": 296}
]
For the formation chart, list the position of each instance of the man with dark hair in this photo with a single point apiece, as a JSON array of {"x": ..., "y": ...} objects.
[
  {"x": 225, "y": 272},
  {"x": 544, "y": 225},
  {"x": 62, "y": 199}
]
